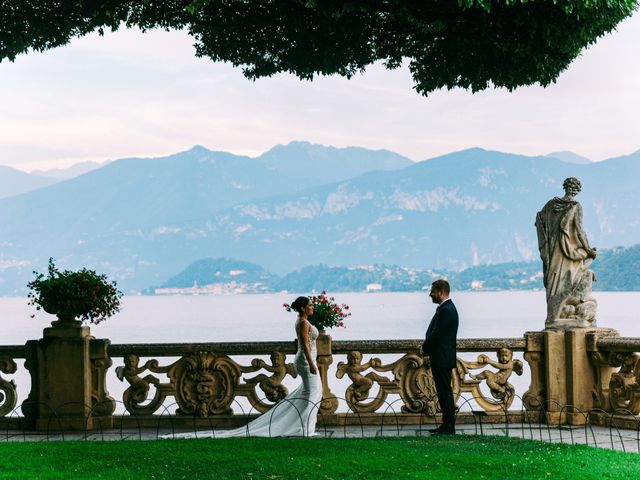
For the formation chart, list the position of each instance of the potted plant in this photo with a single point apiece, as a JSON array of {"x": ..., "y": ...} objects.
[{"x": 74, "y": 296}]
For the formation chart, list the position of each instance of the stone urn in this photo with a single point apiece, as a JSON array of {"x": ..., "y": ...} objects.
[{"x": 66, "y": 321}]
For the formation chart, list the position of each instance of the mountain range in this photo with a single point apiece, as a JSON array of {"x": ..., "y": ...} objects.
[
  {"x": 141, "y": 220},
  {"x": 15, "y": 182}
]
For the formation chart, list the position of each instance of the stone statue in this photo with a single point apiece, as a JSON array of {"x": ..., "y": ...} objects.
[{"x": 566, "y": 256}]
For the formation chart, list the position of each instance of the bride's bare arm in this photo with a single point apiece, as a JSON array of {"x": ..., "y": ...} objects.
[{"x": 304, "y": 333}]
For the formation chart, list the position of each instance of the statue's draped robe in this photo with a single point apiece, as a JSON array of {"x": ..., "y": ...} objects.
[{"x": 563, "y": 249}]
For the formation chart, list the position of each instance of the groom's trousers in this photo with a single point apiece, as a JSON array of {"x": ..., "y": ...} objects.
[{"x": 442, "y": 381}]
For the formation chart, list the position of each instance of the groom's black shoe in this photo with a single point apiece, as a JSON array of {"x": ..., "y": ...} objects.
[
  {"x": 435, "y": 430},
  {"x": 444, "y": 431}
]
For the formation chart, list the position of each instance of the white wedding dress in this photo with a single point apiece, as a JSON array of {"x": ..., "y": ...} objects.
[{"x": 294, "y": 416}]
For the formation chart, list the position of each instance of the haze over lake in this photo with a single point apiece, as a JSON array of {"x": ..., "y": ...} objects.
[{"x": 228, "y": 318}]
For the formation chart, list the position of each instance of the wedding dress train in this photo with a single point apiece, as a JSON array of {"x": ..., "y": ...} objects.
[{"x": 295, "y": 415}]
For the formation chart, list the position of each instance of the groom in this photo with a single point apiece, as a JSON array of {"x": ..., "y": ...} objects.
[{"x": 440, "y": 345}]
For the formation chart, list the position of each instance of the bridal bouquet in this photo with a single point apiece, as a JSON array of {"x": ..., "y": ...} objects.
[{"x": 326, "y": 312}]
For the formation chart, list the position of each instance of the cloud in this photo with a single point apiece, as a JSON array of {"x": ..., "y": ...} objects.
[{"x": 133, "y": 94}]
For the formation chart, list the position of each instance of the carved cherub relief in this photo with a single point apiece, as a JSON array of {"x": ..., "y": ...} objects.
[
  {"x": 361, "y": 384},
  {"x": 498, "y": 381},
  {"x": 272, "y": 385}
]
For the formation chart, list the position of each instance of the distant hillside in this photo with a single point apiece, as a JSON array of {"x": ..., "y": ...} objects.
[
  {"x": 141, "y": 220},
  {"x": 15, "y": 182},
  {"x": 220, "y": 270},
  {"x": 616, "y": 270}
]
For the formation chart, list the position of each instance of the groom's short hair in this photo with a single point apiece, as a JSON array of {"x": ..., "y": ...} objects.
[{"x": 441, "y": 285}]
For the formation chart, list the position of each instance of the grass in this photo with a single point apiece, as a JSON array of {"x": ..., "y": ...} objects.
[{"x": 467, "y": 457}]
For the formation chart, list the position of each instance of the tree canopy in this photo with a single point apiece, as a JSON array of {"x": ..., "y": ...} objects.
[{"x": 471, "y": 44}]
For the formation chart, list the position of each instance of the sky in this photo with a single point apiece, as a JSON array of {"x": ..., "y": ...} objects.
[{"x": 131, "y": 94}]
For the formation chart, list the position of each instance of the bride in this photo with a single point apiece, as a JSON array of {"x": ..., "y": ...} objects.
[{"x": 296, "y": 414}]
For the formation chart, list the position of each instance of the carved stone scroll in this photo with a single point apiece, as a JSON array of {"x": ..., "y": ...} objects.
[
  {"x": 205, "y": 383},
  {"x": 412, "y": 379},
  {"x": 417, "y": 388},
  {"x": 8, "y": 394}
]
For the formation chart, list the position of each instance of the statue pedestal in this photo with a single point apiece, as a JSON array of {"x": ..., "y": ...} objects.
[
  {"x": 570, "y": 324},
  {"x": 569, "y": 380}
]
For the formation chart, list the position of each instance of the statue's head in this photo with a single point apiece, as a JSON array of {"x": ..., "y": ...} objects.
[
  {"x": 277, "y": 359},
  {"x": 572, "y": 186},
  {"x": 505, "y": 355},
  {"x": 131, "y": 360},
  {"x": 354, "y": 357}
]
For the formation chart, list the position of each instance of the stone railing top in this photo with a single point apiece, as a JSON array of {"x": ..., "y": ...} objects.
[
  {"x": 12, "y": 351},
  {"x": 338, "y": 346},
  {"x": 399, "y": 346},
  {"x": 223, "y": 348},
  {"x": 619, "y": 344}
]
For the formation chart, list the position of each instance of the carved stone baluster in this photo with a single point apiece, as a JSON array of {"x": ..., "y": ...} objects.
[
  {"x": 533, "y": 399},
  {"x": 8, "y": 394},
  {"x": 602, "y": 371},
  {"x": 329, "y": 403},
  {"x": 624, "y": 391},
  {"x": 102, "y": 403}
]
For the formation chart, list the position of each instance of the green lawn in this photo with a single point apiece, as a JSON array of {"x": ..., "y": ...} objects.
[{"x": 467, "y": 457}]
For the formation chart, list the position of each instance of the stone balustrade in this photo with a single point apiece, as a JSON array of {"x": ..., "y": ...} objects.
[
  {"x": 206, "y": 379},
  {"x": 557, "y": 376}
]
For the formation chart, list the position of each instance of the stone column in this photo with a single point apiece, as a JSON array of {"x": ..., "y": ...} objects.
[{"x": 60, "y": 365}]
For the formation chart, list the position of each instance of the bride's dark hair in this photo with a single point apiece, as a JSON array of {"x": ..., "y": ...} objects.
[{"x": 300, "y": 303}]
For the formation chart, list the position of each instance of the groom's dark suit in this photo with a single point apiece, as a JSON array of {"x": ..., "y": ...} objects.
[{"x": 440, "y": 345}]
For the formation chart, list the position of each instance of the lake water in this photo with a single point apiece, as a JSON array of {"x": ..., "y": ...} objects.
[
  {"x": 261, "y": 317},
  {"x": 168, "y": 319}
]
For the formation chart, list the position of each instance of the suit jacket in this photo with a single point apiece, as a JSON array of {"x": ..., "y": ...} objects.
[{"x": 440, "y": 340}]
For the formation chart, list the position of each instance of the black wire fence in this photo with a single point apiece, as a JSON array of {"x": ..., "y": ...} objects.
[{"x": 619, "y": 429}]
